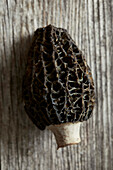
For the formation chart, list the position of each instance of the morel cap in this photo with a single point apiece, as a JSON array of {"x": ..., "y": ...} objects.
[{"x": 58, "y": 88}]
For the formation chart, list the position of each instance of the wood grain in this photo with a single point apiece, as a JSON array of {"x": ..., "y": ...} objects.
[{"x": 22, "y": 145}]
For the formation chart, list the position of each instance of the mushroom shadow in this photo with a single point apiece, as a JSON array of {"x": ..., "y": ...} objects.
[{"x": 17, "y": 129}]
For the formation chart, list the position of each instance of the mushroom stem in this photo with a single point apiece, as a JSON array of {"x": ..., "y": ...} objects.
[{"x": 66, "y": 133}]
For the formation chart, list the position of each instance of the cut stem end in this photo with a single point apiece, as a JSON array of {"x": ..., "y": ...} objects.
[{"x": 66, "y": 133}]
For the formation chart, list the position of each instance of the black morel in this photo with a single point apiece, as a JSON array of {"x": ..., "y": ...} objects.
[{"x": 58, "y": 88}]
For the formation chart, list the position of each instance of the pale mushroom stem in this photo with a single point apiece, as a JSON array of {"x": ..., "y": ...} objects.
[{"x": 66, "y": 133}]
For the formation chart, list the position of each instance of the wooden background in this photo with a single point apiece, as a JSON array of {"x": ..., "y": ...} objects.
[{"x": 22, "y": 145}]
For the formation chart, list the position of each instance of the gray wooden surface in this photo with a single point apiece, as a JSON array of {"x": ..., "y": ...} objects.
[{"x": 22, "y": 145}]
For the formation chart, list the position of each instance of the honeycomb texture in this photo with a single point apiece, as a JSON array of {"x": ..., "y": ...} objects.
[{"x": 58, "y": 85}]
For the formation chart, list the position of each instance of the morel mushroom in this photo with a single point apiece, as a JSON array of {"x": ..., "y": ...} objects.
[{"x": 58, "y": 88}]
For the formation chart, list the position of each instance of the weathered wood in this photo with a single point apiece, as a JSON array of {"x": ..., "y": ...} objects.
[{"x": 22, "y": 145}]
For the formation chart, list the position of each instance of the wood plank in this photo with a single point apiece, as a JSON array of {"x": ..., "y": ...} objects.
[{"x": 22, "y": 145}]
